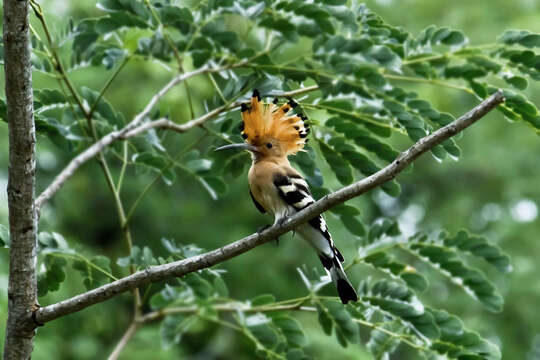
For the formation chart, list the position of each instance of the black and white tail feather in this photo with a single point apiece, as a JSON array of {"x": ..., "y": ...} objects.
[{"x": 294, "y": 190}]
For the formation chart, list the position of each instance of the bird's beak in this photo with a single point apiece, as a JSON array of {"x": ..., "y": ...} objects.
[{"x": 242, "y": 146}]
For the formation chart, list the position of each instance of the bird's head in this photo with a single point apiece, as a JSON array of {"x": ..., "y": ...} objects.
[{"x": 268, "y": 130}]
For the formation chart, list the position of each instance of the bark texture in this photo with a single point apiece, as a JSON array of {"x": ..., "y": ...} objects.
[{"x": 22, "y": 290}]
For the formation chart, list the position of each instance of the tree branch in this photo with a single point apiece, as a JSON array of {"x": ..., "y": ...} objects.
[
  {"x": 168, "y": 124},
  {"x": 134, "y": 128},
  {"x": 131, "y": 330},
  {"x": 22, "y": 290},
  {"x": 182, "y": 267},
  {"x": 108, "y": 139}
]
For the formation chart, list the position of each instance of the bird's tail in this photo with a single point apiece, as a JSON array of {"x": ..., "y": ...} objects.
[{"x": 344, "y": 288}]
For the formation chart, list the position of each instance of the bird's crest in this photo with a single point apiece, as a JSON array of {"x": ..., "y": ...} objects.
[{"x": 263, "y": 121}]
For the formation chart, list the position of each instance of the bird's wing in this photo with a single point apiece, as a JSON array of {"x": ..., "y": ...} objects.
[
  {"x": 257, "y": 205},
  {"x": 294, "y": 190}
]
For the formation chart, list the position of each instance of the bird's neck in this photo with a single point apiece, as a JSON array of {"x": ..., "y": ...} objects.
[{"x": 278, "y": 160}]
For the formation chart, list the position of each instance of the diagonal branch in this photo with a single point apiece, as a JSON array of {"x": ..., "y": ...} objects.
[
  {"x": 182, "y": 267},
  {"x": 135, "y": 128}
]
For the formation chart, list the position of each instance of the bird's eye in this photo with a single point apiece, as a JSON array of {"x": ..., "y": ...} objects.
[{"x": 269, "y": 145}]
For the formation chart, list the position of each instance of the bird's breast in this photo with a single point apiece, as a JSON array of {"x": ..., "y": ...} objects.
[{"x": 262, "y": 187}]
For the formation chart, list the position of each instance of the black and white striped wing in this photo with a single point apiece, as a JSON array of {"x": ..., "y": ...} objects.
[{"x": 294, "y": 190}]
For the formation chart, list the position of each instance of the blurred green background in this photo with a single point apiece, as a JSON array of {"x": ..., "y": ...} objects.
[{"x": 494, "y": 189}]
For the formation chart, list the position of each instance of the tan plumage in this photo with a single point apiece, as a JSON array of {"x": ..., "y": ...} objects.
[{"x": 276, "y": 187}]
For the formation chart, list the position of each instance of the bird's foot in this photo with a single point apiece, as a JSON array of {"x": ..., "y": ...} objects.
[
  {"x": 281, "y": 221},
  {"x": 262, "y": 228}
]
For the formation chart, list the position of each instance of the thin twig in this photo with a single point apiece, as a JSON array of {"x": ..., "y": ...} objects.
[
  {"x": 206, "y": 260},
  {"x": 108, "y": 139},
  {"x": 131, "y": 330},
  {"x": 229, "y": 307}
]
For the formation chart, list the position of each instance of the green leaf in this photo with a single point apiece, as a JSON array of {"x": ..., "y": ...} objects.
[
  {"x": 363, "y": 139},
  {"x": 199, "y": 165},
  {"x": 227, "y": 39},
  {"x": 454, "y": 38},
  {"x": 118, "y": 20},
  {"x": 94, "y": 271},
  {"x": 381, "y": 228},
  {"x": 333, "y": 2},
  {"x": 518, "y": 82},
  {"x": 179, "y": 17},
  {"x": 512, "y": 36},
  {"x": 381, "y": 344},
  {"x": 200, "y": 286},
  {"x": 173, "y": 327},
  {"x": 140, "y": 258},
  {"x": 521, "y": 37},
  {"x": 519, "y": 104},
  {"x": 86, "y": 35},
  {"x": 324, "y": 320},
  {"x": 479, "y": 247},
  {"x": 449, "y": 264},
  {"x": 217, "y": 184},
  {"x": 389, "y": 265},
  {"x": 478, "y": 88},
  {"x": 339, "y": 166},
  {"x": 4, "y": 236},
  {"x": 53, "y": 276},
  {"x": 103, "y": 108},
  {"x": 263, "y": 300},
  {"x": 155, "y": 46},
  {"x": 398, "y": 301},
  {"x": 355, "y": 226},
  {"x": 259, "y": 326},
  {"x": 292, "y": 330},
  {"x": 308, "y": 167},
  {"x": 150, "y": 159},
  {"x": 460, "y": 343},
  {"x": 49, "y": 97},
  {"x": 51, "y": 241},
  {"x": 296, "y": 354},
  {"x": 346, "y": 329},
  {"x": 221, "y": 287},
  {"x": 171, "y": 295},
  {"x": 283, "y": 26}
]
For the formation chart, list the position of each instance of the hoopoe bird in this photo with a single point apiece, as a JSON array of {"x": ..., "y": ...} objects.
[{"x": 271, "y": 135}]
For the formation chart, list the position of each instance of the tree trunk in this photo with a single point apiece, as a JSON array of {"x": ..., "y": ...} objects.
[{"x": 22, "y": 291}]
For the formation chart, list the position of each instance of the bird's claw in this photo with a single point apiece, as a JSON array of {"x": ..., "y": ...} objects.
[{"x": 262, "y": 228}]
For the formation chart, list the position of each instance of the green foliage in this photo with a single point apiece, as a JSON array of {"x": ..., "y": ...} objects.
[
  {"x": 352, "y": 70},
  {"x": 450, "y": 263},
  {"x": 55, "y": 254}
]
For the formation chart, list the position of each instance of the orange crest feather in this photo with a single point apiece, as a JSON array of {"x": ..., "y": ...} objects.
[{"x": 263, "y": 121}]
